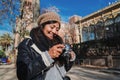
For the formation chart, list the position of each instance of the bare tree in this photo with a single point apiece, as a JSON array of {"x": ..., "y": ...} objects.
[
  {"x": 72, "y": 32},
  {"x": 49, "y": 9}
]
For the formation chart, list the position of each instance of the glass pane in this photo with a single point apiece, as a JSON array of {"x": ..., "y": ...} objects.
[
  {"x": 117, "y": 19},
  {"x": 109, "y": 22}
]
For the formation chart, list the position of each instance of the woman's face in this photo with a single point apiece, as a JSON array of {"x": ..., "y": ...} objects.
[{"x": 51, "y": 29}]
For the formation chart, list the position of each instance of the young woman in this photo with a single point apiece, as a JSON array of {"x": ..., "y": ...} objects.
[{"x": 39, "y": 57}]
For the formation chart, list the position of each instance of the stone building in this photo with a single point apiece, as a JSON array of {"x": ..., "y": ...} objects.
[
  {"x": 30, "y": 10},
  {"x": 69, "y": 33},
  {"x": 100, "y": 32},
  {"x": 74, "y": 22},
  {"x": 105, "y": 18}
]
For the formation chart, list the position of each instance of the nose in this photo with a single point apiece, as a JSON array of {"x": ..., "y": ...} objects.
[{"x": 54, "y": 31}]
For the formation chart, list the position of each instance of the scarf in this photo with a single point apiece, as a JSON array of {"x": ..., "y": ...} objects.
[{"x": 43, "y": 42}]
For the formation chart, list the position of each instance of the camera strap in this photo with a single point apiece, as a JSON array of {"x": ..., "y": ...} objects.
[
  {"x": 59, "y": 71},
  {"x": 64, "y": 77}
]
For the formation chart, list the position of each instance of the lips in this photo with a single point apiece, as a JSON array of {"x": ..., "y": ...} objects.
[{"x": 50, "y": 36}]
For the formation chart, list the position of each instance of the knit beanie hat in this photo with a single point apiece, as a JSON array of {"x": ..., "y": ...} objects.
[{"x": 49, "y": 16}]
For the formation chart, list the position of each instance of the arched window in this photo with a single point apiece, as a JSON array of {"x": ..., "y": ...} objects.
[
  {"x": 117, "y": 24},
  {"x": 92, "y": 31},
  {"x": 99, "y": 30},
  {"x": 85, "y": 33},
  {"x": 109, "y": 27},
  {"x": 117, "y": 18}
]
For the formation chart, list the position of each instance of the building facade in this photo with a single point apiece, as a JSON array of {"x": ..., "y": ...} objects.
[
  {"x": 30, "y": 11},
  {"x": 100, "y": 32},
  {"x": 101, "y": 22},
  {"x": 75, "y": 28}
]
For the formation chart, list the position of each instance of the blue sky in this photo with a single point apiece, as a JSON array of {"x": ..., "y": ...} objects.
[
  {"x": 75, "y": 7},
  {"x": 68, "y": 8}
]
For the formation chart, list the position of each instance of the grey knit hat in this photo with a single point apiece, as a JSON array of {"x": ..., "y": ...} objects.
[{"x": 49, "y": 16}]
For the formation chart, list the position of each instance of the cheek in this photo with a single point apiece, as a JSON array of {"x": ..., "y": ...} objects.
[{"x": 46, "y": 30}]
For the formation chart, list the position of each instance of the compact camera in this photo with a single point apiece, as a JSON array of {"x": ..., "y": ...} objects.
[{"x": 66, "y": 52}]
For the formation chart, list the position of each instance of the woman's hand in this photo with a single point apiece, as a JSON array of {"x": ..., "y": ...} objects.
[
  {"x": 73, "y": 56},
  {"x": 56, "y": 50}
]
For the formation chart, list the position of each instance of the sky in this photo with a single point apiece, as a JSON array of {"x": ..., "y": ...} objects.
[
  {"x": 81, "y": 8},
  {"x": 68, "y": 8}
]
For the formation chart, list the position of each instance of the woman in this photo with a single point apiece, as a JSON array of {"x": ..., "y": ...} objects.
[{"x": 39, "y": 57}]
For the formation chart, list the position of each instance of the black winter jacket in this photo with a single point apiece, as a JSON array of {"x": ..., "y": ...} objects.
[{"x": 30, "y": 64}]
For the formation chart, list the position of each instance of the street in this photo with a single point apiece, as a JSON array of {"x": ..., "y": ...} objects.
[
  {"x": 78, "y": 73},
  {"x": 8, "y": 72}
]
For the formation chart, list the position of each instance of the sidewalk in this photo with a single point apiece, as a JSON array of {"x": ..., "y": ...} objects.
[
  {"x": 103, "y": 69},
  {"x": 7, "y": 66},
  {"x": 111, "y": 71}
]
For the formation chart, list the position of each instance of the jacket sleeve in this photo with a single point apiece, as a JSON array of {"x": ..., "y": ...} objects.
[
  {"x": 69, "y": 63},
  {"x": 28, "y": 67}
]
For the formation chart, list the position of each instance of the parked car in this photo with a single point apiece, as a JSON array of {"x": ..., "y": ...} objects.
[
  {"x": 4, "y": 60},
  {"x": 0, "y": 60}
]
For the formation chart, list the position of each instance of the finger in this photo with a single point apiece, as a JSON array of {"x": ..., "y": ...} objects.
[
  {"x": 60, "y": 50},
  {"x": 72, "y": 54},
  {"x": 57, "y": 55},
  {"x": 60, "y": 46}
]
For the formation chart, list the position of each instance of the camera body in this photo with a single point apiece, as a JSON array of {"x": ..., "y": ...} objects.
[{"x": 66, "y": 52}]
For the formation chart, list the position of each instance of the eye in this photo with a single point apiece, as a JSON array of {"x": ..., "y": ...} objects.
[
  {"x": 52, "y": 27},
  {"x": 57, "y": 29}
]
